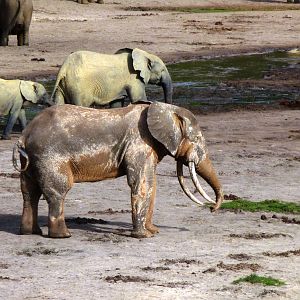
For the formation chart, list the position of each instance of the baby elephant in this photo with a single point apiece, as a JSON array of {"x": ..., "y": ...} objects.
[
  {"x": 67, "y": 144},
  {"x": 14, "y": 96}
]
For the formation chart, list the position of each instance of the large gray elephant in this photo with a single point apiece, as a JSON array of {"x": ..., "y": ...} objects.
[
  {"x": 88, "y": 78},
  {"x": 14, "y": 95},
  {"x": 89, "y": 144},
  {"x": 15, "y": 19}
]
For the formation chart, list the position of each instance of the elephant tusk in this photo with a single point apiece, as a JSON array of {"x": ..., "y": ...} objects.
[
  {"x": 197, "y": 183},
  {"x": 184, "y": 187}
]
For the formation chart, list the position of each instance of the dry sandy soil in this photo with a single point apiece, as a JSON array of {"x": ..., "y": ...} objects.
[{"x": 197, "y": 254}]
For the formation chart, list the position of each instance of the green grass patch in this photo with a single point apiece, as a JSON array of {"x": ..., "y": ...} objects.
[
  {"x": 266, "y": 206},
  {"x": 255, "y": 279}
]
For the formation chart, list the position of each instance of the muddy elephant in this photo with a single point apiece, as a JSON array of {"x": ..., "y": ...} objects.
[
  {"x": 14, "y": 96},
  {"x": 89, "y": 78},
  {"x": 90, "y": 1},
  {"x": 15, "y": 19},
  {"x": 87, "y": 145}
]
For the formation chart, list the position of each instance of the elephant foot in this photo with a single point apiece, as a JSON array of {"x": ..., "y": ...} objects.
[
  {"x": 58, "y": 229},
  {"x": 152, "y": 228},
  {"x": 141, "y": 234},
  {"x": 25, "y": 230},
  {"x": 5, "y": 137}
]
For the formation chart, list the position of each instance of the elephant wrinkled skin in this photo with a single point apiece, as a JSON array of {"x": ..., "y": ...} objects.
[
  {"x": 68, "y": 144},
  {"x": 88, "y": 78},
  {"x": 14, "y": 96},
  {"x": 15, "y": 19}
]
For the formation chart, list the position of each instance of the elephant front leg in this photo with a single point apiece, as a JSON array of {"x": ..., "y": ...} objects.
[
  {"x": 10, "y": 124},
  {"x": 149, "y": 217},
  {"x": 143, "y": 188}
]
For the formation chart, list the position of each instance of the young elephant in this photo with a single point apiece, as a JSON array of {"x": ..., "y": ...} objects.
[
  {"x": 14, "y": 95},
  {"x": 87, "y": 78},
  {"x": 87, "y": 144}
]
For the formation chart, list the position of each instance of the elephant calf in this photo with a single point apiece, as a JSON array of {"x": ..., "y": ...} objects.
[
  {"x": 14, "y": 95},
  {"x": 68, "y": 144}
]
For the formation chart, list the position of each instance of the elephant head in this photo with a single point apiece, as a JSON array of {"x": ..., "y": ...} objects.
[
  {"x": 34, "y": 92},
  {"x": 178, "y": 130},
  {"x": 152, "y": 70}
]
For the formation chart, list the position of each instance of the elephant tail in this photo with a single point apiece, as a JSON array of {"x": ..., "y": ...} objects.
[
  {"x": 58, "y": 95},
  {"x": 19, "y": 147}
]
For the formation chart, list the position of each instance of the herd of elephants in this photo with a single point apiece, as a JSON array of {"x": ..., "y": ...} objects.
[{"x": 71, "y": 142}]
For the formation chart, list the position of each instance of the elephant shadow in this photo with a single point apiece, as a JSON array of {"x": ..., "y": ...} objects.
[{"x": 10, "y": 223}]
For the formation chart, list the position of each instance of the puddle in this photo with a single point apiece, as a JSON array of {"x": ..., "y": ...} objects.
[{"x": 259, "y": 79}]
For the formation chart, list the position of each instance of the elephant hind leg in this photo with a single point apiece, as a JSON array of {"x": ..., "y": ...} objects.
[
  {"x": 58, "y": 184},
  {"x": 31, "y": 195}
]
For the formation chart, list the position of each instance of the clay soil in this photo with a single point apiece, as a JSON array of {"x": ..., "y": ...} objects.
[{"x": 197, "y": 254}]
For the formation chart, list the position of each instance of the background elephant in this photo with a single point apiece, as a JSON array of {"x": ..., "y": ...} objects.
[
  {"x": 92, "y": 145},
  {"x": 14, "y": 95},
  {"x": 15, "y": 18},
  {"x": 90, "y": 1},
  {"x": 88, "y": 78}
]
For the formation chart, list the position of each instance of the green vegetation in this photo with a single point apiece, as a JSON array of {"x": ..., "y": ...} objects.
[
  {"x": 254, "y": 279},
  {"x": 266, "y": 206}
]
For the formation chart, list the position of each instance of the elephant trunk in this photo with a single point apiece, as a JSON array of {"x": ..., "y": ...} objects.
[
  {"x": 167, "y": 86},
  {"x": 206, "y": 170}
]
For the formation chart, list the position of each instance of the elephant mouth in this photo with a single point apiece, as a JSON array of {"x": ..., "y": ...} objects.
[{"x": 195, "y": 182}]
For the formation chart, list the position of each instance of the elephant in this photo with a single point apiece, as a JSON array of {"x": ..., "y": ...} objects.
[
  {"x": 15, "y": 19},
  {"x": 89, "y": 78},
  {"x": 90, "y": 1},
  {"x": 14, "y": 96},
  {"x": 66, "y": 144}
]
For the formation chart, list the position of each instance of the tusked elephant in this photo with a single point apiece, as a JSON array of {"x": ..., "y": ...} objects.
[
  {"x": 87, "y": 145},
  {"x": 89, "y": 78},
  {"x": 14, "y": 96},
  {"x": 15, "y": 19}
]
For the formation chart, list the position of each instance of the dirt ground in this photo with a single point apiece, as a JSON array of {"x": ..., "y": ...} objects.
[{"x": 197, "y": 254}]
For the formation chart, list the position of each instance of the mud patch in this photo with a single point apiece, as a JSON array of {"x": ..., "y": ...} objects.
[
  {"x": 283, "y": 254},
  {"x": 10, "y": 175},
  {"x": 181, "y": 284},
  {"x": 258, "y": 236},
  {"x": 79, "y": 220},
  {"x": 126, "y": 278},
  {"x": 181, "y": 261},
  {"x": 268, "y": 293},
  {"x": 106, "y": 238},
  {"x": 239, "y": 267},
  {"x": 4, "y": 278},
  {"x": 45, "y": 251},
  {"x": 4, "y": 266},
  {"x": 284, "y": 219},
  {"x": 155, "y": 269},
  {"x": 240, "y": 256},
  {"x": 109, "y": 211}
]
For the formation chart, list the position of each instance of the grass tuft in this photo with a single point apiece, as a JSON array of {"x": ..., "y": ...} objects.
[
  {"x": 266, "y": 206},
  {"x": 256, "y": 279}
]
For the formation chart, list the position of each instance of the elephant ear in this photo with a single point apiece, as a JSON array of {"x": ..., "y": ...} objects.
[
  {"x": 166, "y": 125},
  {"x": 142, "y": 63},
  {"x": 28, "y": 91}
]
